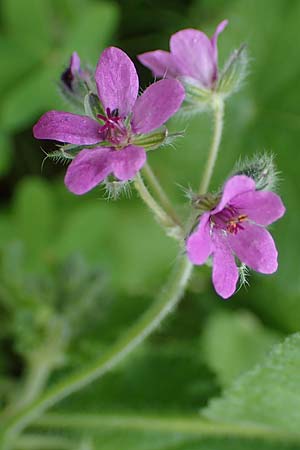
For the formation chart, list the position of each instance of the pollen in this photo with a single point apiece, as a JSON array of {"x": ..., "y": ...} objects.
[{"x": 234, "y": 224}]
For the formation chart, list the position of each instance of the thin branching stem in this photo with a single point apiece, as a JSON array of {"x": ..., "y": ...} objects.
[
  {"x": 218, "y": 112},
  {"x": 170, "y": 225},
  {"x": 160, "y": 192},
  {"x": 189, "y": 425}
]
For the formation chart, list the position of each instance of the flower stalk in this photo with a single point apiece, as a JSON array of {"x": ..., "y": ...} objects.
[
  {"x": 170, "y": 225},
  {"x": 218, "y": 114}
]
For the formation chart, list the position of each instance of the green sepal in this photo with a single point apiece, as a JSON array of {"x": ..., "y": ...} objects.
[
  {"x": 205, "y": 202},
  {"x": 66, "y": 152},
  {"x": 150, "y": 141},
  {"x": 234, "y": 72},
  {"x": 92, "y": 105},
  {"x": 197, "y": 98}
]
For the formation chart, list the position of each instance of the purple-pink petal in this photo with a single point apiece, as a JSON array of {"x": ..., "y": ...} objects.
[
  {"x": 225, "y": 272},
  {"x": 88, "y": 169},
  {"x": 236, "y": 185},
  {"x": 67, "y": 127},
  {"x": 127, "y": 162},
  {"x": 255, "y": 247},
  {"x": 74, "y": 63},
  {"x": 199, "y": 245},
  {"x": 156, "y": 105},
  {"x": 161, "y": 63},
  {"x": 194, "y": 55},
  {"x": 117, "y": 81},
  {"x": 214, "y": 39},
  {"x": 261, "y": 207}
]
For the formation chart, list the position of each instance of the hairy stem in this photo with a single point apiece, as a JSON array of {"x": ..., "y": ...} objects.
[
  {"x": 160, "y": 192},
  {"x": 36, "y": 379},
  {"x": 153, "y": 317},
  {"x": 163, "y": 218},
  {"x": 218, "y": 111},
  {"x": 38, "y": 442},
  {"x": 191, "y": 425}
]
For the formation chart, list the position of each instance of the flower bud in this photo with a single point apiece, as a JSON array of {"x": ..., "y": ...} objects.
[
  {"x": 261, "y": 169},
  {"x": 75, "y": 82}
]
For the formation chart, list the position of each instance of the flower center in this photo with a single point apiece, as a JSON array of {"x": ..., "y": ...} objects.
[
  {"x": 229, "y": 220},
  {"x": 114, "y": 129}
]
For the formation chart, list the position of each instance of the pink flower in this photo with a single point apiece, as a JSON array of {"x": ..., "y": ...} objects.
[
  {"x": 193, "y": 55},
  {"x": 112, "y": 134},
  {"x": 236, "y": 228}
]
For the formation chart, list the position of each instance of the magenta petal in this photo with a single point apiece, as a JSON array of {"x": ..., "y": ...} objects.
[
  {"x": 88, "y": 169},
  {"x": 199, "y": 245},
  {"x": 117, "y": 81},
  {"x": 194, "y": 55},
  {"x": 233, "y": 187},
  {"x": 225, "y": 272},
  {"x": 67, "y": 127},
  {"x": 262, "y": 207},
  {"x": 214, "y": 39},
  {"x": 74, "y": 63},
  {"x": 255, "y": 247},
  {"x": 156, "y": 105},
  {"x": 161, "y": 63},
  {"x": 127, "y": 162}
]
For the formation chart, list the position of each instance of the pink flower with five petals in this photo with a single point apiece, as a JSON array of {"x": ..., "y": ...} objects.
[
  {"x": 126, "y": 115},
  {"x": 236, "y": 228}
]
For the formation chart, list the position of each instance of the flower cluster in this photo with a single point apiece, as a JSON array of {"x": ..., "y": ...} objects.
[{"x": 111, "y": 140}]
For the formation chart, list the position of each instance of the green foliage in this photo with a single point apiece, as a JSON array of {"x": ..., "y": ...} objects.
[
  {"x": 37, "y": 39},
  {"x": 43, "y": 315},
  {"x": 53, "y": 224},
  {"x": 234, "y": 342},
  {"x": 267, "y": 394},
  {"x": 5, "y": 153}
]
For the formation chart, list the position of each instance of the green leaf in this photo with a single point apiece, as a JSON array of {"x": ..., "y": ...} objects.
[
  {"x": 91, "y": 30},
  {"x": 29, "y": 85},
  {"x": 267, "y": 395},
  {"x": 35, "y": 217},
  {"x": 5, "y": 153},
  {"x": 38, "y": 92},
  {"x": 16, "y": 62},
  {"x": 233, "y": 342},
  {"x": 29, "y": 21},
  {"x": 117, "y": 235}
]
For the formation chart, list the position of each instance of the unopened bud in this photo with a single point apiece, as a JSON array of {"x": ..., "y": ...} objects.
[
  {"x": 261, "y": 169},
  {"x": 75, "y": 82}
]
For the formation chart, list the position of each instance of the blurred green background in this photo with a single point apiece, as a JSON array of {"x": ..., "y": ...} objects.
[{"x": 77, "y": 271}]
